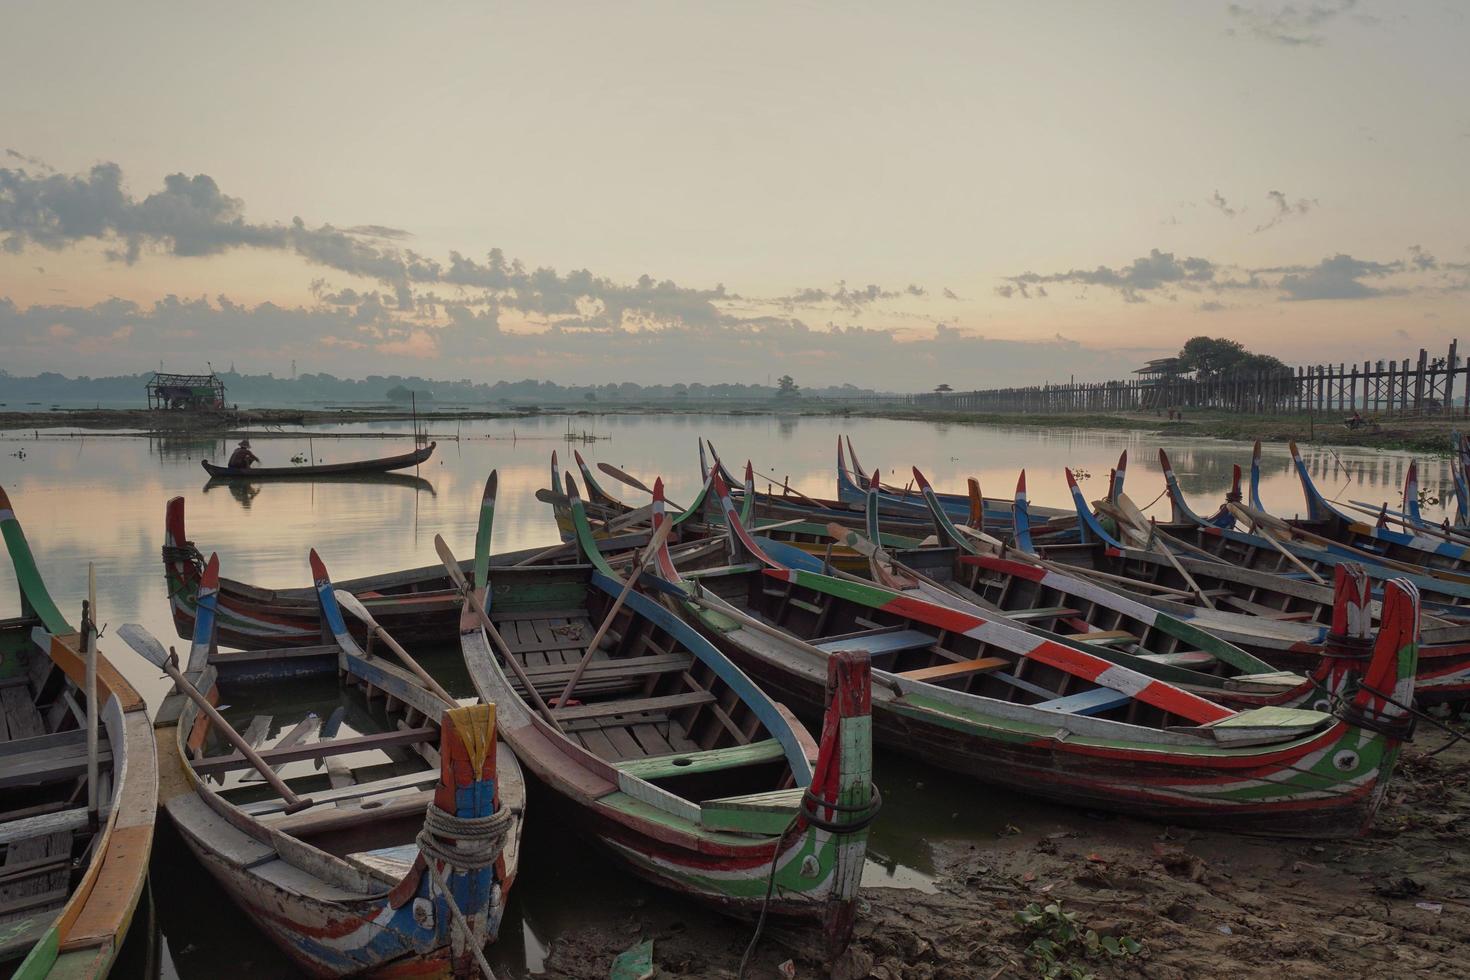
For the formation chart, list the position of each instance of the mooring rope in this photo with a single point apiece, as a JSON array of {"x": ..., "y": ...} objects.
[
  {"x": 810, "y": 802},
  {"x": 477, "y": 842}
]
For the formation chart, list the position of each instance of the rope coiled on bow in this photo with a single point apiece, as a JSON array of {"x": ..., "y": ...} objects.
[{"x": 477, "y": 843}]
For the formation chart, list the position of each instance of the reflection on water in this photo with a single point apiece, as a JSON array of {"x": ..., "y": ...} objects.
[{"x": 101, "y": 499}]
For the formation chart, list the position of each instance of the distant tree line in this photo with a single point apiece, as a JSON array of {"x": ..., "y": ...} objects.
[{"x": 267, "y": 389}]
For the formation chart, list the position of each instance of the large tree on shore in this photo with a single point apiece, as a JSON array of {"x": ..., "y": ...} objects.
[{"x": 1211, "y": 357}]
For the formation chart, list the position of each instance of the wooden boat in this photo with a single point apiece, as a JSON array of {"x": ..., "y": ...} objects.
[
  {"x": 372, "y": 871},
  {"x": 699, "y": 519},
  {"x": 984, "y": 698},
  {"x": 663, "y": 751},
  {"x": 384, "y": 464},
  {"x": 1326, "y": 520},
  {"x": 1284, "y": 620},
  {"x": 791, "y": 504},
  {"x": 1114, "y": 625},
  {"x": 416, "y": 604},
  {"x": 1275, "y": 547},
  {"x": 979, "y": 511},
  {"x": 70, "y": 876},
  {"x": 405, "y": 480}
]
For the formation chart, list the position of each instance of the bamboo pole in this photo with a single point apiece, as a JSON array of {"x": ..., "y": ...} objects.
[{"x": 89, "y": 649}]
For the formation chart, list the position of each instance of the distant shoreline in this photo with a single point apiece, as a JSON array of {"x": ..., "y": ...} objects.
[{"x": 1429, "y": 434}]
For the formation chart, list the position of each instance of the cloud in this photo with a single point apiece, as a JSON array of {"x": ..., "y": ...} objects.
[
  {"x": 1218, "y": 202},
  {"x": 1283, "y": 209},
  {"x": 1338, "y": 278},
  {"x": 1290, "y": 24},
  {"x": 1148, "y": 273},
  {"x": 1212, "y": 306},
  {"x": 852, "y": 299},
  {"x": 355, "y": 339},
  {"x": 950, "y": 294}
]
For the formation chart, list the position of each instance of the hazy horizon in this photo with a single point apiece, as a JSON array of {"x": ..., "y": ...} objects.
[{"x": 979, "y": 195}]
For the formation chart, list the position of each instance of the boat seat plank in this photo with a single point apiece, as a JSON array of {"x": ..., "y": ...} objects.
[
  {"x": 502, "y": 616},
  {"x": 26, "y": 828},
  {"x": 1049, "y": 612},
  {"x": 756, "y": 813},
  {"x": 356, "y": 791},
  {"x": 1105, "y": 637},
  {"x": 324, "y": 819},
  {"x": 720, "y": 571},
  {"x": 709, "y": 760},
  {"x": 1026, "y": 686},
  {"x": 46, "y": 759},
  {"x": 1193, "y": 659},
  {"x": 1091, "y": 702},
  {"x": 951, "y": 671},
  {"x": 879, "y": 642},
  {"x": 325, "y": 748},
  {"x": 604, "y": 709}
]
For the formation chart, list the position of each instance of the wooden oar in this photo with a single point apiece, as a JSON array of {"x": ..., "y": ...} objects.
[
  {"x": 634, "y": 482},
  {"x": 349, "y": 602},
  {"x": 451, "y": 565},
  {"x": 1241, "y": 515},
  {"x": 654, "y": 544},
  {"x": 89, "y": 650},
  {"x": 151, "y": 650}
]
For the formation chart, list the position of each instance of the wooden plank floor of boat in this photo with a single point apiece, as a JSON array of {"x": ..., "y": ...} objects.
[
  {"x": 35, "y": 876},
  {"x": 550, "y": 649}
]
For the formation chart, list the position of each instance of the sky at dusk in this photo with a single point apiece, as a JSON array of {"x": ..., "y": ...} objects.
[{"x": 889, "y": 195}]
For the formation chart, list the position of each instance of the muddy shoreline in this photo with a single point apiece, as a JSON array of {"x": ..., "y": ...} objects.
[{"x": 1395, "y": 902}]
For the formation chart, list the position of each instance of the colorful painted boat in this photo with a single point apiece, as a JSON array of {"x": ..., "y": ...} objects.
[
  {"x": 1284, "y": 620},
  {"x": 987, "y": 699},
  {"x": 979, "y": 511},
  {"x": 664, "y": 751},
  {"x": 1109, "y": 622},
  {"x": 1414, "y": 547},
  {"x": 1274, "y": 546},
  {"x": 416, "y": 604},
  {"x": 60, "y": 916},
  {"x": 792, "y": 505},
  {"x": 384, "y": 464},
  {"x": 400, "y": 864}
]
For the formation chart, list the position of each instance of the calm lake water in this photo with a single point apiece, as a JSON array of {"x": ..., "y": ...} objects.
[{"x": 100, "y": 498}]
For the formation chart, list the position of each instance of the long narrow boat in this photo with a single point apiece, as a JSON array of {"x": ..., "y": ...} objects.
[
  {"x": 383, "y": 464},
  {"x": 416, "y": 604},
  {"x": 987, "y": 699},
  {"x": 1275, "y": 547},
  {"x": 1419, "y": 548},
  {"x": 1284, "y": 620},
  {"x": 1111, "y": 623},
  {"x": 809, "y": 536},
  {"x": 663, "y": 750},
  {"x": 791, "y": 504},
  {"x": 70, "y": 879},
  {"x": 982, "y": 512},
  {"x": 410, "y": 828}
]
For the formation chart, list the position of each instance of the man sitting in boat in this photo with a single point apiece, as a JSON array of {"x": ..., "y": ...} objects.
[{"x": 242, "y": 458}]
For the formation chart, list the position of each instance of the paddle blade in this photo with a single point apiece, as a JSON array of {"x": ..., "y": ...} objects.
[
  {"x": 144, "y": 644},
  {"x": 451, "y": 563},
  {"x": 349, "y": 602}
]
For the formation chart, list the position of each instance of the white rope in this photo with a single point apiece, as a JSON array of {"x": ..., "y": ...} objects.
[{"x": 477, "y": 843}]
